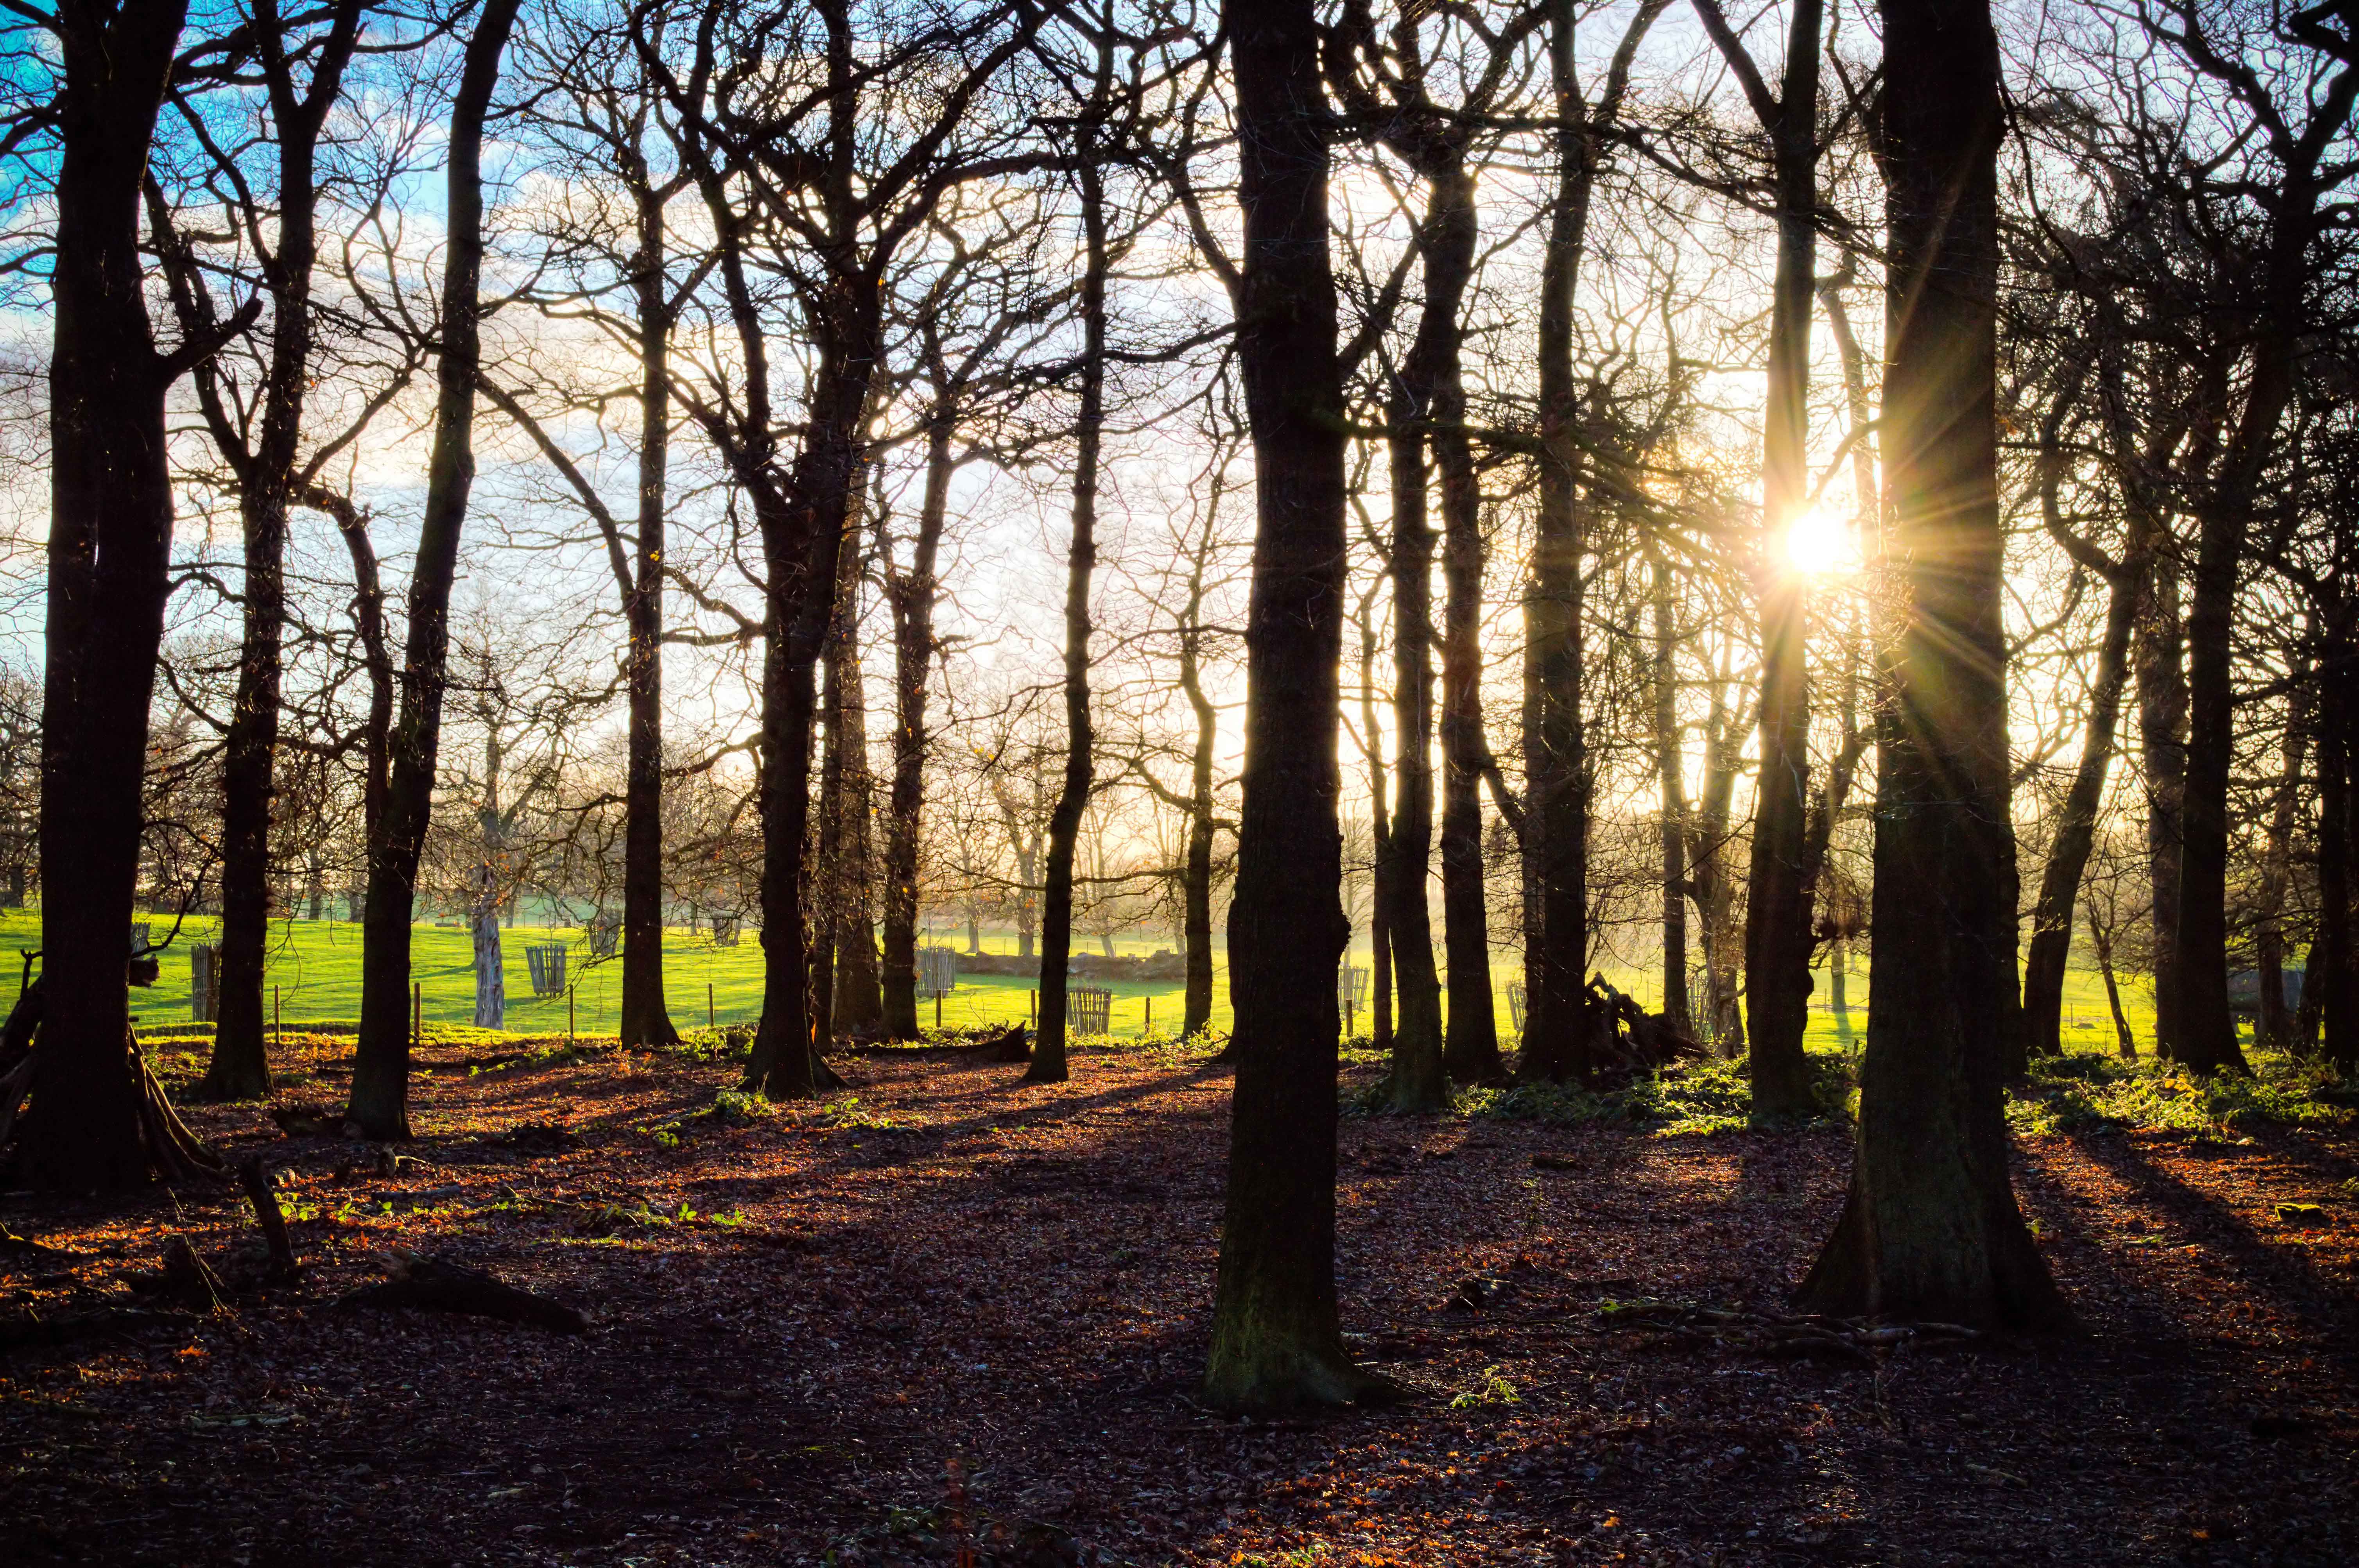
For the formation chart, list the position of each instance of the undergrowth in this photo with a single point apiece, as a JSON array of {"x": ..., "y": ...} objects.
[
  {"x": 2098, "y": 1093},
  {"x": 1693, "y": 1098}
]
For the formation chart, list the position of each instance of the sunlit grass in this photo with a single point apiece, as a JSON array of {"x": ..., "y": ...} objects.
[{"x": 315, "y": 968}]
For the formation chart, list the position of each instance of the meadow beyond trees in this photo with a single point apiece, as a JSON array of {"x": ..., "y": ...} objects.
[{"x": 1035, "y": 783}]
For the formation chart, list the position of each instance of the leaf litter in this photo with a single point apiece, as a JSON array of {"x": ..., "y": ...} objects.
[{"x": 946, "y": 1317}]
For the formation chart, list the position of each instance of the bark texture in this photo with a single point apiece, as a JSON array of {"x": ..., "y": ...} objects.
[
  {"x": 108, "y": 560},
  {"x": 1930, "y": 1228},
  {"x": 1276, "y": 1337}
]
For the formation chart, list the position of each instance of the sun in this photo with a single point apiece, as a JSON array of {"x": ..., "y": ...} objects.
[{"x": 1820, "y": 544}]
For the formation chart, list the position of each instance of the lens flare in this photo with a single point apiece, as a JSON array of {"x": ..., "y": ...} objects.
[{"x": 1821, "y": 544}]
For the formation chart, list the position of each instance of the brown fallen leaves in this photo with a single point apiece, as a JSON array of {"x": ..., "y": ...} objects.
[{"x": 947, "y": 1318}]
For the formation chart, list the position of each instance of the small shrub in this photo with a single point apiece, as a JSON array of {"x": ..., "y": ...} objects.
[
  {"x": 847, "y": 1115},
  {"x": 739, "y": 1108},
  {"x": 1491, "y": 1388}
]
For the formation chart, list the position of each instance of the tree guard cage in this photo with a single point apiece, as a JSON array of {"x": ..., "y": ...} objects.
[
  {"x": 1352, "y": 987},
  {"x": 1089, "y": 1010},
  {"x": 725, "y": 931},
  {"x": 937, "y": 971},
  {"x": 1516, "y": 1004},
  {"x": 145, "y": 968},
  {"x": 605, "y": 929},
  {"x": 546, "y": 962}
]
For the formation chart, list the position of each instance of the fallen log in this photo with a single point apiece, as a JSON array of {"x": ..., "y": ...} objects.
[
  {"x": 309, "y": 1120},
  {"x": 429, "y": 1284},
  {"x": 1013, "y": 1043}
]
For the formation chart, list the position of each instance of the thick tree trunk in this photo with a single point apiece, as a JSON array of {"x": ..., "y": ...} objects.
[
  {"x": 109, "y": 556},
  {"x": 1081, "y": 566},
  {"x": 380, "y": 1092},
  {"x": 2076, "y": 828},
  {"x": 801, "y": 529},
  {"x": 1930, "y": 1228},
  {"x": 912, "y": 596},
  {"x": 1277, "y": 1340},
  {"x": 844, "y": 979},
  {"x": 1778, "y": 930},
  {"x": 646, "y": 1020}
]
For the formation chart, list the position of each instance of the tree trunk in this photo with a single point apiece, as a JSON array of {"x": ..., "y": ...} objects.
[
  {"x": 1709, "y": 880},
  {"x": 847, "y": 946},
  {"x": 1778, "y": 932},
  {"x": 859, "y": 1000},
  {"x": 484, "y": 927},
  {"x": 380, "y": 1092},
  {"x": 1671, "y": 770},
  {"x": 1380, "y": 956},
  {"x": 912, "y": 596},
  {"x": 2125, "y": 1043},
  {"x": 240, "y": 1067},
  {"x": 1417, "y": 1080},
  {"x": 1197, "y": 920},
  {"x": 801, "y": 527},
  {"x": 822, "y": 865},
  {"x": 2159, "y": 651},
  {"x": 2275, "y": 1026},
  {"x": 2331, "y": 959},
  {"x": 1081, "y": 563},
  {"x": 2076, "y": 828},
  {"x": 1930, "y": 1228},
  {"x": 1471, "y": 1053},
  {"x": 1277, "y": 1340},
  {"x": 2206, "y": 1037},
  {"x": 1556, "y": 755},
  {"x": 646, "y": 1019},
  {"x": 108, "y": 558}
]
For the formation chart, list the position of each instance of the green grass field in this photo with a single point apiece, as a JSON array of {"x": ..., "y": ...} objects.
[{"x": 315, "y": 966}]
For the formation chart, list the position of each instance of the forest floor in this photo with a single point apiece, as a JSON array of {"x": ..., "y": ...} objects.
[{"x": 951, "y": 1318}]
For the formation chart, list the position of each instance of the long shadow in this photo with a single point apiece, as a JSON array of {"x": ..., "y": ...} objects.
[{"x": 2295, "y": 1282}]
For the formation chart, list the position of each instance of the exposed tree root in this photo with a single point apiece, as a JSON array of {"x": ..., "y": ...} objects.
[{"x": 174, "y": 1152}]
